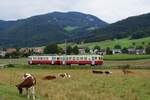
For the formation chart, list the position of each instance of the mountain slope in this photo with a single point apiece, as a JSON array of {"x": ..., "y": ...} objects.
[
  {"x": 132, "y": 27},
  {"x": 42, "y": 29}
]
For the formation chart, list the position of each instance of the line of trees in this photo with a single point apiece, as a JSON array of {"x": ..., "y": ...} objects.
[{"x": 55, "y": 49}]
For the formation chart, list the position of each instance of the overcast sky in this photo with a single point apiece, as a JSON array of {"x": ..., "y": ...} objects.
[{"x": 107, "y": 10}]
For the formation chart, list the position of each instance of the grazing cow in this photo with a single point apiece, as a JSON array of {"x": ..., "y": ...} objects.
[
  {"x": 108, "y": 72},
  {"x": 28, "y": 83},
  {"x": 49, "y": 77},
  {"x": 97, "y": 72},
  {"x": 63, "y": 75}
]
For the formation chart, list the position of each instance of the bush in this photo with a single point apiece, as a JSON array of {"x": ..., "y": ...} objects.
[{"x": 10, "y": 65}]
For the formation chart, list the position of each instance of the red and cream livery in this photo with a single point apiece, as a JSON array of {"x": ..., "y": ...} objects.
[{"x": 66, "y": 59}]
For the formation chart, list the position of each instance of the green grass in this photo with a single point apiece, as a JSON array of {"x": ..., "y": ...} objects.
[
  {"x": 111, "y": 43},
  {"x": 70, "y": 28},
  {"x": 14, "y": 61},
  {"x": 126, "y": 57},
  {"x": 83, "y": 85},
  {"x": 9, "y": 93}
]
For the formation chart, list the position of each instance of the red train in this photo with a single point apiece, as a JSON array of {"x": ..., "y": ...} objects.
[{"x": 66, "y": 59}]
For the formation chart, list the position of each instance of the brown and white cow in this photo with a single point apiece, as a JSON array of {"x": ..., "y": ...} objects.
[
  {"x": 28, "y": 83},
  {"x": 49, "y": 77},
  {"x": 63, "y": 75}
]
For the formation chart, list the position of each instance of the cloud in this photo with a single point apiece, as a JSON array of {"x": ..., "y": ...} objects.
[{"x": 108, "y": 10}]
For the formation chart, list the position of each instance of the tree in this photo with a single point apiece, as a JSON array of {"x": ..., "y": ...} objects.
[
  {"x": 125, "y": 50},
  {"x": 147, "y": 49},
  {"x": 139, "y": 47},
  {"x": 97, "y": 47},
  {"x": 108, "y": 51},
  {"x": 143, "y": 43},
  {"x": 60, "y": 50},
  {"x": 69, "y": 50},
  {"x": 75, "y": 50},
  {"x": 87, "y": 50},
  {"x": 51, "y": 49},
  {"x": 117, "y": 46}
]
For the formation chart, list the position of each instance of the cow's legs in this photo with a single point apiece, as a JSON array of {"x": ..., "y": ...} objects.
[
  {"x": 28, "y": 94},
  {"x": 33, "y": 92}
]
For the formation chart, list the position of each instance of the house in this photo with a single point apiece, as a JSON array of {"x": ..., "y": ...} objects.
[
  {"x": 91, "y": 51},
  {"x": 11, "y": 50},
  {"x": 102, "y": 52},
  {"x": 136, "y": 51},
  {"x": 2, "y": 53},
  {"x": 116, "y": 51},
  {"x": 38, "y": 50},
  {"x": 25, "y": 50},
  {"x": 140, "y": 51},
  {"x": 81, "y": 51}
]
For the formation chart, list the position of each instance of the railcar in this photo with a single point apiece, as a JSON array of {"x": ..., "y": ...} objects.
[{"x": 66, "y": 59}]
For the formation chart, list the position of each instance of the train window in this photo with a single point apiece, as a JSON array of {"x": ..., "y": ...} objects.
[
  {"x": 66, "y": 58},
  {"x": 58, "y": 58},
  {"x": 63, "y": 58},
  {"x": 81, "y": 58},
  {"x": 92, "y": 58},
  {"x": 69, "y": 58},
  {"x": 73, "y": 58},
  {"x": 95, "y": 58},
  {"x": 53, "y": 58},
  {"x": 77, "y": 58},
  {"x": 85, "y": 58},
  {"x": 99, "y": 58}
]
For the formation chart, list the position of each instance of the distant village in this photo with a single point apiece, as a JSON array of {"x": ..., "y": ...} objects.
[{"x": 54, "y": 49}]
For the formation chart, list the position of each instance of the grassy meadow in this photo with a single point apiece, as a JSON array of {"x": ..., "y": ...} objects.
[
  {"x": 111, "y": 43},
  {"x": 118, "y": 57},
  {"x": 83, "y": 85}
]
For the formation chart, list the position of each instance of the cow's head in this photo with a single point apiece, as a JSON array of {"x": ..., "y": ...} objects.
[{"x": 19, "y": 88}]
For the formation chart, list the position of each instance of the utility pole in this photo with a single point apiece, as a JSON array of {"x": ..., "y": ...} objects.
[
  {"x": 65, "y": 47},
  {"x": 65, "y": 51}
]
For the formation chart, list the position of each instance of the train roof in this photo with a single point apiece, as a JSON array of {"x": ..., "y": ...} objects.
[{"x": 65, "y": 55}]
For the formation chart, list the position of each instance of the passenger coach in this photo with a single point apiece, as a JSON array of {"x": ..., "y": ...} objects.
[{"x": 66, "y": 59}]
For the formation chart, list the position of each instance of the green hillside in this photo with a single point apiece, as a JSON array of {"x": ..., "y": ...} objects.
[
  {"x": 111, "y": 43},
  {"x": 135, "y": 27},
  {"x": 123, "y": 42},
  {"x": 43, "y": 29}
]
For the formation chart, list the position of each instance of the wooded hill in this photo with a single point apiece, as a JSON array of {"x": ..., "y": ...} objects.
[
  {"x": 133, "y": 27},
  {"x": 43, "y": 29}
]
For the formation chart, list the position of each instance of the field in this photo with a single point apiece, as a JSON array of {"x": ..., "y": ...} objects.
[
  {"x": 113, "y": 61},
  {"x": 111, "y": 43},
  {"x": 126, "y": 57},
  {"x": 83, "y": 85}
]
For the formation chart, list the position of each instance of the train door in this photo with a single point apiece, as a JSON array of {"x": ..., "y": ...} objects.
[
  {"x": 30, "y": 60},
  {"x": 64, "y": 60},
  {"x": 53, "y": 60},
  {"x": 93, "y": 60}
]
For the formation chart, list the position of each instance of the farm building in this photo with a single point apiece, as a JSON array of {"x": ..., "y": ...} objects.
[{"x": 2, "y": 53}]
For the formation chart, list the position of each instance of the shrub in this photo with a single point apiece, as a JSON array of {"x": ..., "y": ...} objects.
[{"x": 10, "y": 65}]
